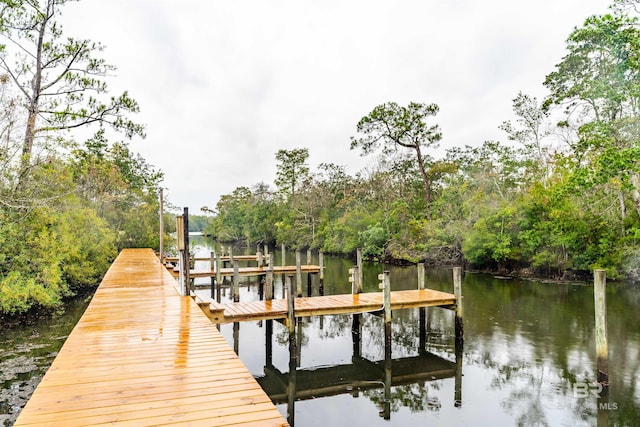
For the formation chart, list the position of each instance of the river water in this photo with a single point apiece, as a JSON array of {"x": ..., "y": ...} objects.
[{"x": 528, "y": 356}]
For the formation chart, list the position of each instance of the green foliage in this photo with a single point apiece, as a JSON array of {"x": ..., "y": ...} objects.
[
  {"x": 65, "y": 209},
  {"x": 292, "y": 169},
  {"x": 374, "y": 240}
]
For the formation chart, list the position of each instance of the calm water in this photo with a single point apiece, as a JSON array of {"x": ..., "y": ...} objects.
[
  {"x": 528, "y": 356},
  {"x": 27, "y": 351}
]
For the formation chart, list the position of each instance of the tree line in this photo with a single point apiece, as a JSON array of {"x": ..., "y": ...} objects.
[
  {"x": 66, "y": 206},
  {"x": 560, "y": 197}
]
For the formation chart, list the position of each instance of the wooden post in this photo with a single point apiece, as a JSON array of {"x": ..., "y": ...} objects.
[
  {"x": 457, "y": 291},
  {"x": 354, "y": 278},
  {"x": 385, "y": 285},
  {"x": 602, "y": 346},
  {"x": 236, "y": 338},
  {"x": 308, "y": 256},
  {"x": 218, "y": 270},
  {"x": 321, "y": 261},
  {"x": 212, "y": 261},
  {"x": 422, "y": 313},
  {"x": 421, "y": 280},
  {"x": 353, "y": 272},
  {"x": 182, "y": 222},
  {"x": 298, "y": 273},
  {"x": 359, "y": 263},
  {"x": 284, "y": 257},
  {"x": 259, "y": 257},
  {"x": 235, "y": 293},
  {"x": 268, "y": 293},
  {"x": 180, "y": 245},
  {"x": 161, "y": 227},
  {"x": 291, "y": 317},
  {"x": 187, "y": 255}
]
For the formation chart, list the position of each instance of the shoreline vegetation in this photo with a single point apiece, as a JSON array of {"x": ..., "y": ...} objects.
[{"x": 559, "y": 198}]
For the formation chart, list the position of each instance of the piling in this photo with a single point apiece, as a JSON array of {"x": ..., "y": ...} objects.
[
  {"x": 602, "y": 346},
  {"x": 421, "y": 278},
  {"x": 291, "y": 317},
  {"x": 298, "y": 273},
  {"x": 213, "y": 278},
  {"x": 422, "y": 312},
  {"x": 268, "y": 294},
  {"x": 359, "y": 263},
  {"x": 284, "y": 256},
  {"x": 385, "y": 285},
  {"x": 187, "y": 256},
  {"x": 354, "y": 278},
  {"x": 236, "y": 281},
  {"x": 457, "y": 291},
  {"x": 161, "y": 227},
  {"x": 356, "y": 326},
  {"x": 308, "y": 256},
  {"x": 321, "y": 262},
  {"x": 218, "y": 270}
]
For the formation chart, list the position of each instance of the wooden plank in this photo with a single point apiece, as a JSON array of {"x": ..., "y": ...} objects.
[
  {"x": 251, "y": 271},
  {"x": 142, "y": 355},
  {"x": 331, "y": 304}
]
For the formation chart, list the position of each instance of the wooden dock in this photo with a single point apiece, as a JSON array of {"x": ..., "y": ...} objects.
[
  {"x": 321, "y": 305},
  {"x": 142, "y": 355},
  {"x": 250, "y": 271}
]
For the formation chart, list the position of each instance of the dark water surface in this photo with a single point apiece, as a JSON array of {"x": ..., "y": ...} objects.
[
  {"x": 26, "y": 351},
  {"x": 528, "y": 357}
]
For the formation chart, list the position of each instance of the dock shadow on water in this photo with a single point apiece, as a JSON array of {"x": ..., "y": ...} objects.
[
  {"x": 528, "y": 356},
  {"x": 26, "y": 352}
]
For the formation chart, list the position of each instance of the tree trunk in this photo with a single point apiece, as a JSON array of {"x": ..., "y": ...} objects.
[
  {"x": 635, "y": 182},
  {"x": 425, "y": 180},
  {"x": 36, "y": 87}
]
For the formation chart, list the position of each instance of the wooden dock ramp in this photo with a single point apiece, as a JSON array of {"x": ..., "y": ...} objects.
[
  {"x": 141, "y": 355},
  {"x": 323, "y": 305}
]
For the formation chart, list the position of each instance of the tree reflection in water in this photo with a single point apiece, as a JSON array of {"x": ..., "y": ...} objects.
[{"x": 528, "y": 347}]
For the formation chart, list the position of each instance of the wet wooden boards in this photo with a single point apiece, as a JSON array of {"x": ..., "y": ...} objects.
[
  {"x": 141, "y": 355},
  {"x": 322, "y": 305}
]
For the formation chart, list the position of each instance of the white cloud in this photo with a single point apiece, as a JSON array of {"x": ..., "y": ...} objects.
[{"x": 223, "y": 85}]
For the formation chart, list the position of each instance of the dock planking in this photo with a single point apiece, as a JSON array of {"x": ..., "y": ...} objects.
[
  {"x": 142, "y": 355},
  {"x": 324, "y": 305},
  {"x": 250, "y": 271}
]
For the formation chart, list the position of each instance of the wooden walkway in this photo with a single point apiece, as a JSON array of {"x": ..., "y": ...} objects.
[
  {"x": 250, "y": 271},
  {"x": 330, "y": 304},
  {"x": 142, "y": 355}
]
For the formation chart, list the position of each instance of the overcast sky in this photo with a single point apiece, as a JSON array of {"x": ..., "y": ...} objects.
[{"x": 223, "y": 85}]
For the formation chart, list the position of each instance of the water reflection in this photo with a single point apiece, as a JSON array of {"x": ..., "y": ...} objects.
[
  {"x": 529, "y": 353},
  {"x": 374, "y": 379}
]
